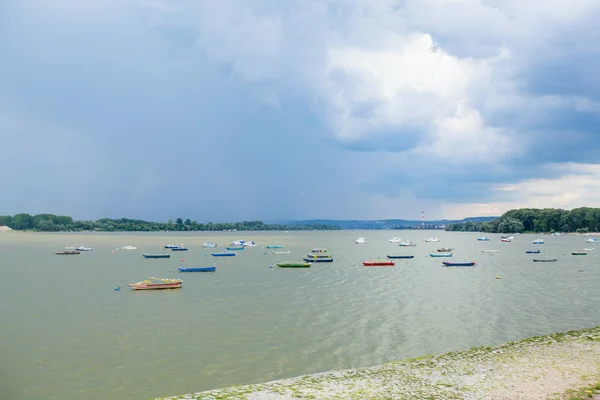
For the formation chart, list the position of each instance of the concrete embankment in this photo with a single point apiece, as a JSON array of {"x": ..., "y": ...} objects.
[{"x": 545, "y": 367}]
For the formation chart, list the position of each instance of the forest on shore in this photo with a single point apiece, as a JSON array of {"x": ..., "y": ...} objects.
[{"x": 581, "y": 220}]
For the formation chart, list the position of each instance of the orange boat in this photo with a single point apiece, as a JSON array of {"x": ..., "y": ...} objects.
[
  {"x": 156, "y": 283},
  {"x": 378, "y": 263}
]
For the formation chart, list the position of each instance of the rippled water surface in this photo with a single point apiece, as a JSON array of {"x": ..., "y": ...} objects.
[{"x": 65, "y": 333}]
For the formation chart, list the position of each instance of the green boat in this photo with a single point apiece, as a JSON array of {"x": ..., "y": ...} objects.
[{"x": 294, "y": 265}]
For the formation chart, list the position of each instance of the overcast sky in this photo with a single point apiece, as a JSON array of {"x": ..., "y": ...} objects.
[{"x": 249, "y": 109}]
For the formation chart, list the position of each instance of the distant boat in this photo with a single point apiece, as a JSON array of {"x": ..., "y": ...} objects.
[
  {"x": 360, "y": 240},
  {"x": 532, "y": 251},
  {"x": 318, "y": 250},
  {"x": 458, "y": 264},
  {"x": 445, "y": 250},
  {"x": 294, "y": 265},
  {"x": 248, "y": 244},
  {"x": 318, "y": 256},
  {"x": 579, "y": 253},
  {"x": 506, "y": 240},
  {"x": 591, "y": 240},
  {"x": 235, "y": 247},
  {"x": 83, "y": 248},
  {"x": 67, "y": 253},
  {"x": 239, "y": 242},
  {"x": 407, "y": 244},
  {"x": 400, "y": 256},
  {"x": 224, "y": 254},
  {"x": 440, "y": 254},
  {"x": 490, "y": 251},
  {"x": 311, "y": 259},
  {"x": 128, "y": 248},
  {"x": 545, "y": 259},
  {"x": 538, "y": 241},
  {"x": 432, "y": 239},
  {"x": 281, "y": 252},
  {"x": 156, "y": 283},
  {"x": 208, "y": 245},
  {"x": 160, "y": 255},
  {"x": 197, "y": 269},
  {"x": 274, "y": 246},
  {"x": 589, "y": 249},
  {"x": 484, "y": 239},
  {"x": 378, "y": 263},
  {"x": 179, "y": 247},
  {"x": 169, "y": 246},
  {"x": 395, "y": 240}
]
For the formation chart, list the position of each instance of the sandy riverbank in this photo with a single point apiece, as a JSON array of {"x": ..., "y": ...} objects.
[{"x": 537, "y": 368}]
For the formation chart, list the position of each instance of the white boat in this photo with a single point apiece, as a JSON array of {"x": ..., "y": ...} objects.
[
  {"x": 395, "y": 240},
  {"x": 538, "y": 241},
  {"x": 407, "y": 243},
  {"x": 281, "y": 252},
  {"x": 169, "y": 246},
  {"x": 239, "y": 242},
  {"x": 490, "y": 251},
  {"x": 432, "y": 239},
  {"x": 360, "y": 241},
  {"x": 128, "y": 248},
  {"x": 589, "y": 249},
  {"x": 591, "y": 240},
  {"x": 83, "y": 248},
  {"x": 249, "y": 244},
  {"x": 209, "y": 245}
]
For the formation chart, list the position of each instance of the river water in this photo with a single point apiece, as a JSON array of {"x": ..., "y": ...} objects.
[{"x": 66, "y": 333}]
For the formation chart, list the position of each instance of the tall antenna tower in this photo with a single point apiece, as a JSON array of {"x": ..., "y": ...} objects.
[{"x": 423, "y": 219}]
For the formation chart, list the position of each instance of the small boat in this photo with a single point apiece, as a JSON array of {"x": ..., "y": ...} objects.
[
  {"x": 445, "y": 250},
  {"x": 294, "y": 265},
  {"x": 179, "y": 247},
  {"x": 432, "y": 239},
  {"x": 318, "y": 250},
  {"x": 538, "y": 241},
  {"x": 281, "y": 252},
  {"x": 545, "y": 259},
  {"x": 208, "y": 245},
  {"x": 589, "y": 249},
  {"x": 483, "y": 239},
  {"x": 249, "y": 244},
  {"x": 591, "y": 240},
  {"x": 128, "y": 248},
  {"x": 318, "y": 256},
  {"x": 67, "y": 253},
  {"x": 579, "y": 253},
  {"x": 169, "y": 246},
  {"x": 440, "y": 254},
  {"x": 197, "y": 269},
  {"x": 378, "y": 263},
  {"x": 400, "y": 256},
  {"x": 395, "y": 240},
  {"x": 156, "y": 283},
  {"x": 311, "y": 259},
  {"x": 83, "y": 248},
  {"x": 274, "y": 246},
  {"x": 235, "y": 247},
  {"x": 532, "y": 251},
  {"x": 490, "y": 251},
  {"x": 160, "y": 255},
  {"x": 239, "y": 242},
  {"x": 458, "y": 264},
  {"x": 408, "y": 243},
  {"x": 360, "y": 240},
  {"x": 224, "y": 254},
  {"x": 506, "y": 240}
]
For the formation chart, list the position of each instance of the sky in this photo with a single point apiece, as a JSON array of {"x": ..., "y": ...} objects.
[{"x": 268, "y": 109}]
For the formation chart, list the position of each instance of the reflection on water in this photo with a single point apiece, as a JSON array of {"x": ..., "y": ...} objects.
[{"x": 66, "y": 333}]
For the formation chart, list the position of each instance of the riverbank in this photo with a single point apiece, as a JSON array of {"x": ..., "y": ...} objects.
[{"x": 545, "y": 367}]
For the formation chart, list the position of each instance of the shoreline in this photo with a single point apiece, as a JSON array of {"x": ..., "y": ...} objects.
[{"x": 540, "y": 367}]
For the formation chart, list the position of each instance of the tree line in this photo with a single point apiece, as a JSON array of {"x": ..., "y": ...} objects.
[
  {"x": 58, "y": 223},
  {"x": 581, "y": 220}
]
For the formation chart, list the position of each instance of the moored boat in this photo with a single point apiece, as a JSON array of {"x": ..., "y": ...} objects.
[
  {"x": 224, "y": 254},
  {"x": 440, "y": 254},
  {"x": 197, "y": 269},
  {"x": 156, "y": 283},
  {"x": 445, "y": 250},
  {"x": 395, "y": 240},
  {"x": 235, "y": 247},
  {"x": 281, "y": 252},
  {"x": 274, "y": 246},
  {"x": 160, "y": 255},
  {"x": 311, "y": 259},
  {"x": 318, "y": 256},
  {"x": 378, "y": 263},
  {"x": 249, "y": 244},
  {"x": 538, "y": 241},
  {"x": 169, "y": 246},
  {"x": 319, "y": 250},
  {"x": 67, "y": 253},
  {"x": 483, "y": 239},
  {"x": 83, "y": 248},
  {"x": 432, "y": 239},
  {"x": 400, "y": 256},
  {"x": 128, "y": 247},
  {"x": 545, "y": 259},
  {"x": 179, "y": 247},
  {"x": 591, "y": 240},
  {"x": 360, "y": 240},
  {"x": 209, "y": 245},
  {"x": 532, "y": 251},
  {"x": 490, "y": 251},
  {"x": 458, "y": 264},
  {"x": 293, "y": 265},
  {"x": 408, "y": 243},
  {"x": 579, "y": 253}
]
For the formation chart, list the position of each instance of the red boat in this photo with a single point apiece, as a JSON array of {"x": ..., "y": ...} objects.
[
  {"x": 156, "y": 283},
  {"x": 377, "y": 263}
]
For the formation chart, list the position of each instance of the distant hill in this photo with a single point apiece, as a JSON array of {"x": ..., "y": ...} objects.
[{"x": 384, "y": 223}]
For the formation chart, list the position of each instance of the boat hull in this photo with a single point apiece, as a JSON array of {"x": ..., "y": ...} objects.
[
  {"x": 235, "y": 248},
  {"x": 156, "y": 255},
  {"x": 66, "y": 253},
  {"x": 378, "y": 263},
  {"x": 223, "y": 254},
  {"x": 545, "y": 259},
  {"x": 158, "y": 286},
  {"x": 404, "y": 257},
  {"x": 197, "y": 269},
  {"x": 178, "y": 249},
  {"x": 440, "y": 254},
  {"x": 294, "y": 265},
  {"x": 458, "y": 264},
  {"x": 532, "y": 252},
  {"x": 579, "y": 253},
  {"x": 311, "y": 260}
]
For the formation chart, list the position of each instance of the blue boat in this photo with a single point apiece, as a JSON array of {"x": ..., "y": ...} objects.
[
  {"x": 400, "y": 256},
  {"x": 274, "y": 246},
  {"x": 197, "y": 269},
  {"x": 235, "y": 248},
  {"x": 458, "y": 264},
  {"x": 224, "y": 254},
  {"x": 311, "y": 260},
  {"x": 161, "y": 255},
  {"x": 484, "y": 239},
  {"x": 532, "y": 251},
  {"x": 440, "y": 254}
]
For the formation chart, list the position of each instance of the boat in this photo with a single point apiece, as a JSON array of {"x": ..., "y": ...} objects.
[
  {"x": 440, "y": 254},
  {"x": 311, "y": 259},
  {"x": 400, "y": 256},
  {"x": 160, "y": 255},
  {"x": 407, "y": 244},
  {"x": 545, "y": 259},
  {"x": 538, "y": 241},
  {"x": 532, "y": 251},
  {"x": 459, "y": 264},
  {"x": 360, "y": 240},
  {"x": 589, "y": 249},
  {"x": 83, "y": 248},
  {"x": 506, "y": 240},
  {"x": 128, "y": 248},
  {"x": 67, "y": 253},
  {"x": 224, "y": 254},
  {"x": 239, "y": 242},
  {"x": 318, "y": 250},
  {"x": 209, "y": 245},
  {"x": 293, "y": 265},
  {"x": 432, "y": 239},
  {"x": 156, "y": 283},
  {"x": 281, "y": 252},
  {"x": 395, "y": 240},
  {"x": 248, "y": 244},
  {"x": 169, "y": 246},
  {"x": 444, "y": 250},
  {"x": 318, "y": 256},
  {"x": 579, "y": 253},
  {"x": 591, "y": 240},
  {"x": 197, "y": 269},
  {"x": 235, "y": 247},
  {"x": 378, "y": 263},
  {"x": 274, "y": 246},
  {"x": 490, "y": 251},
  {"x": 179, "y": 247},
  {"x": 483, "y": 239}
]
